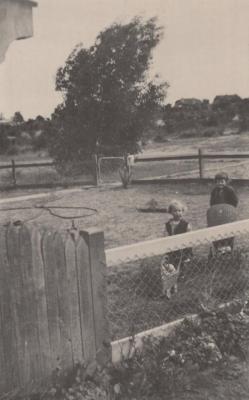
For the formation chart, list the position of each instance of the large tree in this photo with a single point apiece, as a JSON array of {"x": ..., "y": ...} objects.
[{"x": 109, "y": 98}]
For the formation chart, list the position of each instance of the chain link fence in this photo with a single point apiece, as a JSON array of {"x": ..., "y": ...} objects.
[{"x": 156, "y": 282}]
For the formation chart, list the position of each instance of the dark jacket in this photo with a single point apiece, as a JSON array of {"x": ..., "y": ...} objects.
[
  {"x": 225, "y": 194},
  {"x": 176, "y": 256},
  {"x": 180, "y": 228}
]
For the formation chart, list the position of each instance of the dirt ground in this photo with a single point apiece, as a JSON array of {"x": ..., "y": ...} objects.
[{"x": 117, "y": 213}]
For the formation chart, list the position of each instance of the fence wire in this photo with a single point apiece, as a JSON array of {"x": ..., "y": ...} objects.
[
  {"x": 109, "y": 169},
  {"x": 155, "y": 290}
]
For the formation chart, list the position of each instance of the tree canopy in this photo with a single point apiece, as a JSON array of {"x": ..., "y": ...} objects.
[
  {"x": 17, "y": 117},
  {"x": 108, "y": 96}
]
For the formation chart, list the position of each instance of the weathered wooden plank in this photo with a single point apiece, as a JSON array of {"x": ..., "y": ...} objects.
[
  {"x": 17, "y": 355},
  {"x": 7, "y": 340},
  {"x": 41, "y": 301},
  {"x": 63, "y": 302},
  {"x": 94, "y": 239},
  {"x": 164, "y": 157},
  {"x": 176, "y": 157},
  {"x": 74, "y": 300},
  {"x": 51, "y": 283},
  {"x": 29, "y": 308},
  {"x": 86, "y": 300},
  {"x": 28, "y": 165}
]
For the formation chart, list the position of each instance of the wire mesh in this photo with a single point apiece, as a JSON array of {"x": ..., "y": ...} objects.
[
  {"x": 109, "y": 169},
  {"x": 155, "y": 290}
]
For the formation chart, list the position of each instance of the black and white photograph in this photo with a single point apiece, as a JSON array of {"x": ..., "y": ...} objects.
[{"x": 124, "y": 200}]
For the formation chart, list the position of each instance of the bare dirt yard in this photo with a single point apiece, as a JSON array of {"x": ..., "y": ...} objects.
[{"x": 117, "y": 213}]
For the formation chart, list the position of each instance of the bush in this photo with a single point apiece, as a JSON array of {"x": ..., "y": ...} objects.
[
  {"x": 40, "y": 142},
  {"x": 190, "y": 133},
  {"x": 160, "y": 139},
  {"x": 75, "y": 168},
  {"x": 210, "y": 132},
  {"x": 4, "y": 143},
  {"x": 12, "y": 150},
  {"x": 168, "y": 366}
]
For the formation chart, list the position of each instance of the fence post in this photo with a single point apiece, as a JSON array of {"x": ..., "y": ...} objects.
[
  {"x": 96, "y": 169},
  {"x": 13, "y": 169},
  {"x": 200, "y": 158},
  {"x": 94, "y": 239}
]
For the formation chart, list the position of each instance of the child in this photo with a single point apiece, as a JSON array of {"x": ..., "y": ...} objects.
[
  {"x": 171, "y": 262},
  {"x": 223, "y": 193},
  {"x": 177, "y": 225}
]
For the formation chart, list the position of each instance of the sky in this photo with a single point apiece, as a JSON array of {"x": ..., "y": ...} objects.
[{"x": 204, "y": 52}]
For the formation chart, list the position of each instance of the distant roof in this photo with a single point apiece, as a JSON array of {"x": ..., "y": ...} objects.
[{"x": 187, "y": 102}]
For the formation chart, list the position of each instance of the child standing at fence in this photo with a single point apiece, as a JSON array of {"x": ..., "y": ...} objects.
[
  {"x": 171, "y": 262},
  {"x": 176, "y": 225},
  {"x": 223, "y": 193}
]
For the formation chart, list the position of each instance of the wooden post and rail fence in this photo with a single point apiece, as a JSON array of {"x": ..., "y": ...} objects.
[{"x": 200, "y": 157}]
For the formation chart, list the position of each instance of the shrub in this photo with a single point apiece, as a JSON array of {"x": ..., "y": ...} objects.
[
  {"x": 168, "y": 366},
  {"x": 210, "y": 132},
  {"x": 160, "y": 138},
  {"x": 12, "y": 150}
]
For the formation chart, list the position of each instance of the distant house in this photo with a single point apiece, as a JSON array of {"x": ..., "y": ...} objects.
[
  {"x": 221, "y": 102},
  {"x": 188, "y": 103}
]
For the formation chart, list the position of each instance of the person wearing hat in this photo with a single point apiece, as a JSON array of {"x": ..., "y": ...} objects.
[{"x": 223, "y": 192}]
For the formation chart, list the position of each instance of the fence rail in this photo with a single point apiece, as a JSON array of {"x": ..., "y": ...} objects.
[
  {"x": 159, "y": 246},
  {"x": 45, "y": 174},
  {"x": 27, "y": 165},
  {"x": 163, "y": 157}
]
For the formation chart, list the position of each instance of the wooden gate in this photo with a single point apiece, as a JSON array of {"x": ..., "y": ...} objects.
[{"x": 52, "y": 303}]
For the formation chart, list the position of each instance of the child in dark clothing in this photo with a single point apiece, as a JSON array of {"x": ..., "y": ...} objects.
[
  {"x": 223, "y": 194},
  {"x": 175, "y": 226}
]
